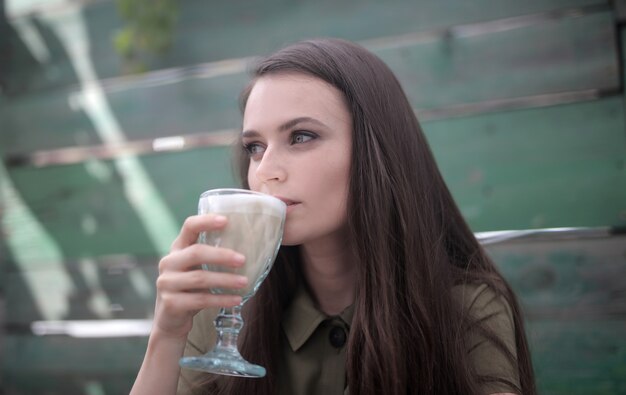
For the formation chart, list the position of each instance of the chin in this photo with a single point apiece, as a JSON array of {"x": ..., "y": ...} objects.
[
  {"x": 287, "y": 242},
  {"x": 291, "y": 238}
]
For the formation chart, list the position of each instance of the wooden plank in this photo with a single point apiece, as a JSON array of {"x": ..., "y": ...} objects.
[
  {"x": 434, "y": 75},
  {"x": 181, "y": 177},
  {"x": 276, "y": 23},
  {"x": 113, "y": 287},
  {"x": 84, "y": 214},
  {"x": 567, "y": 280},
  {"x": 58, "y": 355},
  {"x": 190, "y": 106},
  {"x": 575, "y": 54},
  {"x": 69, "y": 383},
  {"x": 255, "y": 28},
  {"x": 64, "y": 365},
  {"x": 572, "y": 292},
  {"x": 575, "y": 332},
  {"x": 580, "y": 357},
  {"x": 547, "y": 167},
  {"x": 85, "y": 208},
  {"x": 564, "y": 280},
  {"x": 568, "y": 55}
]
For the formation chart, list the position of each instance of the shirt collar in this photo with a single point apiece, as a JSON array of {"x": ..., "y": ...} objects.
[{"x": 302, "y": 318}]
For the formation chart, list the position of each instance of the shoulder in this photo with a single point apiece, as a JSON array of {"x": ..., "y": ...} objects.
[
  {"x": 490, "y": 337},
  {"x": 482, "y": 302}
]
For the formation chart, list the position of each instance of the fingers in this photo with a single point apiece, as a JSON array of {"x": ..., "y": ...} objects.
[
  {"x": 182, "y": 290},
  {"x": 196, "y": 301},
  {"x": 199, "y": 280},
  {"x": 197, "y": 254},
  {"x": 180, "y": 295},
  {"x": 194, "y": 225}
]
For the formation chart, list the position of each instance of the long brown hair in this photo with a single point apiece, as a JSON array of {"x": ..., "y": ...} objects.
[{"x": 411, "y": 241}]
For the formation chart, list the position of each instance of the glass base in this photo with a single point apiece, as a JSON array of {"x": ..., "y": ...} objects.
[{"x": 222, "y": 363}]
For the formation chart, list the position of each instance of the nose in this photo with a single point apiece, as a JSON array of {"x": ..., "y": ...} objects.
[{"x": 271, "y": 167}]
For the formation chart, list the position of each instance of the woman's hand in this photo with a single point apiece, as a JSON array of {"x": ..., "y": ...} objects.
[{"x": 183, "y": 287}]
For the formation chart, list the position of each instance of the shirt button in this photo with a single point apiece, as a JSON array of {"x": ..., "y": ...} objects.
[{"x": 337, "y": 337}]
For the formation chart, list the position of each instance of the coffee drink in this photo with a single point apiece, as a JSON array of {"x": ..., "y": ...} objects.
[{"x": 254, "y": 229}]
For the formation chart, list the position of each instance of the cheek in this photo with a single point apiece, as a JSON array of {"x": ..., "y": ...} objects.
[
  {"x": 326, "y": 178},
  {"x": 328, "y": 192},
  {"x": 325, "y": 189},
  {"x": 252, "y": 183},
  {"x": 338, "y": 179}
]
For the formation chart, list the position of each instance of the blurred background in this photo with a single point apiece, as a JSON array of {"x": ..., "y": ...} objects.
[{"x": 116, "y": 115}]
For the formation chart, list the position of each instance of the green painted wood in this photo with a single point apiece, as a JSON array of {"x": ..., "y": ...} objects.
[
  {"x": 63, "y": 365},
  {"x": 574, "y": 359},
  {"x": 60, "y": 355},
  {"x": 278, "y": 22},
  {"x": 574, "y": 54},
  {"x": 203, "y": 169},
  {"x": 546, "y": 167},
  {"x": 102, "y": 384},
  {"x": 86, "y": 210},
  {"x": 567, "y": 280},
  {"x": 123, "y": 288},
  {"x": 247, "y": 28},
  {"x": 553, "y": 166},
  {"x": 580, "y": 357},
  {"x": 572, "y": 291},
  {"x": 191, "y": 106},
  {"x": 84, "y": 214}
]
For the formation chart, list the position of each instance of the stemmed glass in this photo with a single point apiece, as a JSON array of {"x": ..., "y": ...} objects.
[{"x": 255, "y": 229}]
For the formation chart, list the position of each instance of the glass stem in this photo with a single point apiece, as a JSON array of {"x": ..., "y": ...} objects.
[{"x": 228, "y": 324}]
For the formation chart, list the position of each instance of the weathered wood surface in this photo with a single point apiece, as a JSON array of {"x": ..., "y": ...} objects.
[
  {"x": 574, "y": 296},
  {"x": 547, "y": 167},
  {"x": 251, "y": 28},
  {"x": 572, "y": 292},
  {"x": 63, "y": 365},
  {"x": 86, "y": 208},
  {"x": 112, "y": 287},
  {"x": 544, "y": 167},
  {"x": 569, "y": 54}
]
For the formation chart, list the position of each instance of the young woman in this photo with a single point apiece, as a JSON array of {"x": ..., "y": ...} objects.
[{"x": 380, "y": 286}]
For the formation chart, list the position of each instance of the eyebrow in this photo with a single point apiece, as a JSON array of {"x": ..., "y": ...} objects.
[{"x": 286, "y": 126}]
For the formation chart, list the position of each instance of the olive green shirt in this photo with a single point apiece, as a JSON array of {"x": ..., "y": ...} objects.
[{"x": 314, "y": 344}]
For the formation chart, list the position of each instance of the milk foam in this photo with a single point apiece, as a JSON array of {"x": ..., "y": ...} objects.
[{"x": 242, "y": 203}]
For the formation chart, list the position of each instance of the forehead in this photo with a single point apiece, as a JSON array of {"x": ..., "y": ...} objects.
[{"x": 294, "y": 95}]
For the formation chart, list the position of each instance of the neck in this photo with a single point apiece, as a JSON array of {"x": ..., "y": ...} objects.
[{"x": 330, "y": 271}]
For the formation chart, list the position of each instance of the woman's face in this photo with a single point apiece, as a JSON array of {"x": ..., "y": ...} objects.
[{"x": 298, "y": 133}]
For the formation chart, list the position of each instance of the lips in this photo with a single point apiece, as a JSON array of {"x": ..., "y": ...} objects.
[{"x": 288, "y": 202}]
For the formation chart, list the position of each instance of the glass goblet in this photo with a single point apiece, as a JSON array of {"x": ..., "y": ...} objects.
[{"x": 254, "y": 229}]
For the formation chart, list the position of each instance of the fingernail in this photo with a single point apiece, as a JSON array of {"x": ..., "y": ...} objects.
[
  {"x": 242, "y": 280},
  {"x": 220, "y": 219},
  {"x": 240, "y": 259}
]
